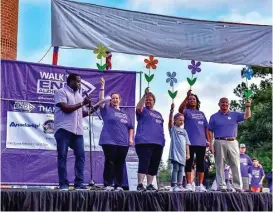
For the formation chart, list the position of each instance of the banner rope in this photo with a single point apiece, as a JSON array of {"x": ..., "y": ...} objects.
[{"x": 45, "y": 54}]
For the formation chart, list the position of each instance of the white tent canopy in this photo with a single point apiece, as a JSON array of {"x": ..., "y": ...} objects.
[{"x": 82, "y": 25}]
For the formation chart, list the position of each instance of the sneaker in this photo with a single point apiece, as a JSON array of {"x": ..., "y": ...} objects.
[
  {"x": 140, "y": 187},
  {"x": 189, "y": 187},
  {"x": 109, "y": 188},
  {"x": 119, "y": 189},
  {"x": 178, "y": 189},
  {"x": 64, "y": 188},
  {"x": 193, "y": 186},
  {"x": 201, "y": 188},
  {"x": 151, "y": 188},
  {"x": 182, "y": 188},
  {"x": 82, "y": 187}
]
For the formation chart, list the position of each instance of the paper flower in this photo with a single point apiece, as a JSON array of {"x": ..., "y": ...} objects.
[
  {"x": 194, "y": 67},
  {"x": 248, "y": 72},
  {"x": 171, "y": 78},
  {"x": 108, "y": 61},
  {"x": 100, "y": 51},
  {"x": 151, "y": 63}
]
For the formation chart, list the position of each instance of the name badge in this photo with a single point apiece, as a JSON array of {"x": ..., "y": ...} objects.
[
  {"x": 123, "y": 121},
  {"x": 158, "y": 121},
  {"x": 200, "y": 122}
]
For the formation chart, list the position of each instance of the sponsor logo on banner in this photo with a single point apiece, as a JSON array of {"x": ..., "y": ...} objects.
[
  {"x": 49, "y": 83},
  {"x": 48, "y": 127},
  {"x": 23, "y": 106},
  {"x": 13, "y": 124}
]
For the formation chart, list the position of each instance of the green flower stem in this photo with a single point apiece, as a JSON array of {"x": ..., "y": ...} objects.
[{"x": 246, "y": 86}]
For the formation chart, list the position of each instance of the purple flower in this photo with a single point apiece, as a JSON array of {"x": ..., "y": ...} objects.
[
  {"x": 171, "y": 78},
  {"x": 194, "y": 67}
]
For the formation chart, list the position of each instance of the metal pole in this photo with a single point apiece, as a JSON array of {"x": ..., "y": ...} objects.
[
  {"x": 140, "y": 84},
  {"x": 91, "y": 183}
]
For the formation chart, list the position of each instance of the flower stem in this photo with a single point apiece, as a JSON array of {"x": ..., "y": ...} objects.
[
  {"x": 173, "y": 92},
  {"x": 149, "y": 75},
  {"x": 191, "y": 79},
  {"x": 246, "y": 84}
]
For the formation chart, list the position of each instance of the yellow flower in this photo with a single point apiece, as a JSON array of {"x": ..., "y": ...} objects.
[{"x": 100, "y": 51}]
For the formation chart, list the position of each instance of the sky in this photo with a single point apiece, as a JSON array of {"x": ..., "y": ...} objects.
[{"x": 214, "y": 81}]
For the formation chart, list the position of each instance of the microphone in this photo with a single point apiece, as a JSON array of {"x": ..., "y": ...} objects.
[{"x": 86, "y": 94}]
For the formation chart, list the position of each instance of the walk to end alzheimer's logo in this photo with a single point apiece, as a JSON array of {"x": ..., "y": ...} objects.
[{"x": 49, "y": 83}]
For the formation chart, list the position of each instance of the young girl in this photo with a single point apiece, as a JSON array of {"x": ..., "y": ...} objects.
[
  {"x": 179, "y": 149},
  {"x": 257, "y": 176}
]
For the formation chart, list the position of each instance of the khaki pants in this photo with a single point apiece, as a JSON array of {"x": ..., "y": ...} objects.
[
  {"x": 245, "y": 183},
  {"x": 227, "y": 151}
]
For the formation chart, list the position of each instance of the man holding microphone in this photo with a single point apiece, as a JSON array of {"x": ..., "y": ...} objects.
[{"x": 68, "y": 117}]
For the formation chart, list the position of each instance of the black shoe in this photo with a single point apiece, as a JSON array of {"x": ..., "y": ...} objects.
[
  {"x": 151, "y": 188},
  {"x": 140, "y": 187},
  {"x": 239, "y": 190},
  {"x": 82, "y": 187},
  {"x": 222, "y": 189}
]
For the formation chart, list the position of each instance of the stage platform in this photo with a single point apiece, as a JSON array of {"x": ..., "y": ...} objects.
[{"x": 55, "y": 200}]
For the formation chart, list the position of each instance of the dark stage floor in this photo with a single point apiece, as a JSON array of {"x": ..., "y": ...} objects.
[{"x": 52, "y": 200}]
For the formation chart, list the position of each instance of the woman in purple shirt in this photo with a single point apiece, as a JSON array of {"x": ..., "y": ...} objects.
[
  {"x": 149, "y": 140},
  {"x": 196, "y": 126},
  {"x": 115, "y": 138}
]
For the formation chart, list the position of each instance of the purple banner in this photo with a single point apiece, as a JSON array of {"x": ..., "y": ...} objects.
[{"x": 30, "y": 88}]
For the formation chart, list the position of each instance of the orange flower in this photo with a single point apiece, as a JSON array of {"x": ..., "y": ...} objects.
[{"x": 151, "y": 63}]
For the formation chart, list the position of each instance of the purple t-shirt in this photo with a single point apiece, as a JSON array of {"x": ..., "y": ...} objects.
[
  {"x": 116, "y": 125},
  {"x": 245, "y": 163},
  {"x": 256, "y": 175},
  {"x": 195, "y": 125},
  {"x": 149, "y": 127},
  {"x": 225, "y": 125}
]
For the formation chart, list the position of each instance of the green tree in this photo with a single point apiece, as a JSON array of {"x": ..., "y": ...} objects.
[
  {"x": 164, "y": 171},
  {"x": 256, "y": 132}
]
